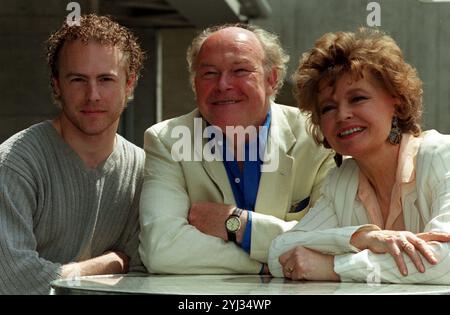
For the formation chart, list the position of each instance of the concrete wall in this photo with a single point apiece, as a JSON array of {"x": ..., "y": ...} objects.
[
  {"x": 24, "y": 91},
  {"x": 422, "y": 30},
  {"x": 25, "y": 96},
  {"x": 141, "y": 112},
  {"x": 177, "y": 96}
]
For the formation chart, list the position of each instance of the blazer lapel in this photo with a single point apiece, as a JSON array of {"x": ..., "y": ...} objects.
[
  {"x": 275, "y": 187},
  {"x": 215, "y": 168},
  {"x": 347, "y": 187},
  {"x": 410, "y": 214},
  {"x": 216, "y": 171}
]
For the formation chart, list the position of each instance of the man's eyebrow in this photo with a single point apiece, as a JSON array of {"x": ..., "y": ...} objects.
[
  {"x": 75, "y": 74},
  {"x": 107, "y": 75},
  {"x": 206, "y": 65},
  {"x": 240, "y": 61}
]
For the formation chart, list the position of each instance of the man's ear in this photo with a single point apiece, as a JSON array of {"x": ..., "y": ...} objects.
[
  {"x": 56, "y": 88},
  {"x": 130, "y": 84},
  {"x": 272, "y": 79}
]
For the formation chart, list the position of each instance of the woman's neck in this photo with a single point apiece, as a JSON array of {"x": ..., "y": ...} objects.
[{"x": 381, "y": 170}]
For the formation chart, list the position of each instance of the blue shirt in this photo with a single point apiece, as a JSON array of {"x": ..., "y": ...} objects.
[{"x": 245, "y": 184}]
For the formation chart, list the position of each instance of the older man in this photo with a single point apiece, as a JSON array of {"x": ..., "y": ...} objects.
[
  {"x": 244, "y": 170},
  {"x": 69, "y": 187}
]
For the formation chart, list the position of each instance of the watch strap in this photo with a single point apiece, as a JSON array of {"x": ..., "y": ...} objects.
[{"x": 237, "y": 212}]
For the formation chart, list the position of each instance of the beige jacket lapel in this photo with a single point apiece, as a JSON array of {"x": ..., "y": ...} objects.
[
  {"x": 275, "y": 188},
  {"x": 215, "y": 169}
]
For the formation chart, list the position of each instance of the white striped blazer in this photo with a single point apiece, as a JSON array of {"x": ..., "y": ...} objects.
[{"x": 329, "y": 225}]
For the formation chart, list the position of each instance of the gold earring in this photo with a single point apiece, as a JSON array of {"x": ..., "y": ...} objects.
[{"x": 395, "y": 135}]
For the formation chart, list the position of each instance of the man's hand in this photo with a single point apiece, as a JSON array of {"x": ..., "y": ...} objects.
[
  {"x": 112, "y": 262},
  {"x": 210, "y": 217},
  {"x": 301, "y": 263},
  {"x": 396, "y": 242}
]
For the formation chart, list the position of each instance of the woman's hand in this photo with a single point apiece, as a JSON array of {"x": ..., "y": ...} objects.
[
  {"x": 301, "y": 263},
  {"x": 434, "y": 236},
  {"x": 396, "y": 242}
]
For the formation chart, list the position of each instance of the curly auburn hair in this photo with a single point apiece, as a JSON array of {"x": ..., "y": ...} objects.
[
  {"x": 366, "y": 52},
  {"x": 103, "y": 30},
  {"x": 275, "y": 56}
]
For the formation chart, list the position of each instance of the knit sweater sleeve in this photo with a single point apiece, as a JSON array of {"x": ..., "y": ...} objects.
[
  {"x": 129, "y": 239},
  {"x": 22, "y": 271}
]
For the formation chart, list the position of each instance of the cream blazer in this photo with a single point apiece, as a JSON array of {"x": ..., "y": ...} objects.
[
  {"x": 168, "y": 244},
  {"x": 329, "y": 225}
]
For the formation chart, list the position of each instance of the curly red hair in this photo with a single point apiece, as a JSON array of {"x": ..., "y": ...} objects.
[{"x": 365, "y": 53}]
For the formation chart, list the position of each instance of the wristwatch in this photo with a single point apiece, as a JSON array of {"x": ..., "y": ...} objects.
[{"x": 233, "y": 224}]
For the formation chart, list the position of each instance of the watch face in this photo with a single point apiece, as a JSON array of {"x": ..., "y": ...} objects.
[{"x": 233, "y": 224}]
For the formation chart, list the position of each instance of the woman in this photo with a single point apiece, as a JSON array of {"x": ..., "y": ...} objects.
[{"x": 385, "y": 212}]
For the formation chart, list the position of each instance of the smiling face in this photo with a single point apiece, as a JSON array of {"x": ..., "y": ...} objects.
[
  {"x": 231, "y": 86},
  {"x": 92, "y": 86},
  {"x": 356, "y": 116}
]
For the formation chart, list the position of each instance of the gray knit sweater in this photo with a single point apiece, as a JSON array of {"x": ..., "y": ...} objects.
[{"x": 54, "y": 210}]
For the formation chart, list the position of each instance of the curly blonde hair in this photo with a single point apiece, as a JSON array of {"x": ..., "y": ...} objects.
[
  {"x": 103, "y": 30},
  {"x": 275, "y": 56},
  {"x": 365, "y": 52}
]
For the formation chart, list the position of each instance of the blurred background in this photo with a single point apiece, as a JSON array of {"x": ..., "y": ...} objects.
[{"x": 166, "y": 27}]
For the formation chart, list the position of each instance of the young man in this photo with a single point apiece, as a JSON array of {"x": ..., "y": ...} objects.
[
  {"x": 202, "y": 215},
  {"x": 69, "y": 188}
]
